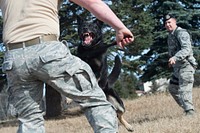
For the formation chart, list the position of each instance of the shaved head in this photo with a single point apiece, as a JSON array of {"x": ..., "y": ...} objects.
[{"x": 170, "y": 24}]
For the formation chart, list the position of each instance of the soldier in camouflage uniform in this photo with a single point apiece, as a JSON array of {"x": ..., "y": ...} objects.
[
  {"x": 34, "y": 55},
  {"x": 183, "y": 63}
]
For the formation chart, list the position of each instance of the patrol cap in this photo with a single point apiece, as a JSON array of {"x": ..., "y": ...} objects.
[{"x": 168, "y": 16}]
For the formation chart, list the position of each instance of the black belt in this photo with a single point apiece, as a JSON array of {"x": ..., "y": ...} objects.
[
  {"x": 43, "y": 38},
  {"x": 173, "y": 82}
]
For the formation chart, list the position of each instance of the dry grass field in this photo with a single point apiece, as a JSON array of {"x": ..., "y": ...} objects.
[{"x": 148, "y": 114}]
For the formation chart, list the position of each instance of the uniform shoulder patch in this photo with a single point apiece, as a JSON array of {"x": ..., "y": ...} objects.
[{"x": 184, "y": 36}]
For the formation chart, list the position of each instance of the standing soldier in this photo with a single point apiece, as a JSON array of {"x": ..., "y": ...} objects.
[
  {"x": 34, "y": 56},
  {"x": 183, "y": 63}
]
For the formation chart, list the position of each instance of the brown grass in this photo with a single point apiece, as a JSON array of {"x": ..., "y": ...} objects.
[{"x": 148, "y": 114}]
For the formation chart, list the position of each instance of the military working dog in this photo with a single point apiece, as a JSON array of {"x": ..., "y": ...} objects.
[{"x": 93, "y": 51}]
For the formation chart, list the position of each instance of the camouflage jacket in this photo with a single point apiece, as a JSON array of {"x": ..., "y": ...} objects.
[{"x": 180, "y": 47}]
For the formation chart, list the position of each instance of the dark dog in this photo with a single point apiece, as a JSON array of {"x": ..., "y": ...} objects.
[{"x": 94, "y": 52}]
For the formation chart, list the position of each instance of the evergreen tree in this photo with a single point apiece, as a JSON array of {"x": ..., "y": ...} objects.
[
  {"x": 136, "y": 16},
  {"x": 147, "y": 55}
]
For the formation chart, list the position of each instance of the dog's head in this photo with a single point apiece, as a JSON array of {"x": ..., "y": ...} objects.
[{"x": 90, "y": 32}]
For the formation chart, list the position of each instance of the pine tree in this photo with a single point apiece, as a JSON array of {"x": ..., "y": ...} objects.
[
  {"x": 147, "y": 55},
  {"x": 136, "y": 16}
]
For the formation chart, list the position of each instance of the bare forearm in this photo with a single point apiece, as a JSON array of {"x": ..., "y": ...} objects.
[{"x": 102, "y": 12}]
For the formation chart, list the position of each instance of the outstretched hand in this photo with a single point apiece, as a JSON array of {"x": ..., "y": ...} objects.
[{"x": 124, "y": 37}]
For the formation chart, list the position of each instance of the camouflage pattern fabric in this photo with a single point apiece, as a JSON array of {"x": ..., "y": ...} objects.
[
  {"x": 51, "y": 62},
  {"x": 181, "y": 83}
]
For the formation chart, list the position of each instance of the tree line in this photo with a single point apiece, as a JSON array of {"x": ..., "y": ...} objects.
[{"x": 146, "y": 58}]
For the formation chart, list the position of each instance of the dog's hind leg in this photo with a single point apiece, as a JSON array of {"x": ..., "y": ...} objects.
[
  {"x": 120, "y": 109},
  {"x": 124, "y": 122}
]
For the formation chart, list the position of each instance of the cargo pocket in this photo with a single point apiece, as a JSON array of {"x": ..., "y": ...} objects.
[
  {"x": 187, "y": 77},
  {"x": 7, "y": 65},
  {"x": 71, "y": 70},
  {"x": 80, "y": 71},
  {"x": 82, "y": 80}
]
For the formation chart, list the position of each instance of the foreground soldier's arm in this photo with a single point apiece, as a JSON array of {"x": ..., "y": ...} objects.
[{"x": 105, "y": 14}]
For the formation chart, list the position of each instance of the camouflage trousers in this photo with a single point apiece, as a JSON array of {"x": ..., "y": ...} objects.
[
  {"x": 52, "y": 63},
  {"x": 181, "y": 85}
]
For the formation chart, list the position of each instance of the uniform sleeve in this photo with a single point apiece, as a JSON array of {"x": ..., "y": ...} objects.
[{"x": 185, "y": 46}]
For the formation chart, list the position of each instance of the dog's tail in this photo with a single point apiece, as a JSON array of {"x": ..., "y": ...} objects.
[{"x": 114, "y": 75}]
